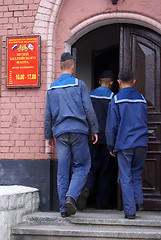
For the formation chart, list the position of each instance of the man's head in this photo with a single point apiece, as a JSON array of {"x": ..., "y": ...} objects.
[
  {"x": 106, "y": 79},
  {"x": 126, "y": 77},
  {"x": 67, "y": 63}
]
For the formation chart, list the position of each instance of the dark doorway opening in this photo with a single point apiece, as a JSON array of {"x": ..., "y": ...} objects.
[{"x": 106, "y": 59}]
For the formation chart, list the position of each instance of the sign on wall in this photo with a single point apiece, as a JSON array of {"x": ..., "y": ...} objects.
[{"x": 23, "y": 61}]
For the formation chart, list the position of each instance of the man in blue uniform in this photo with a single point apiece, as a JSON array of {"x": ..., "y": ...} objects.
[
  {"x": 127, "y": 134},
  {"x": 69, "y": 116},
  {"x": 100, "y": 174}
]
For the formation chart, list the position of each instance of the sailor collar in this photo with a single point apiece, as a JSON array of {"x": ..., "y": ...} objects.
[
  {"x": 65, "y": 80},
  {"x": 101, "y": 93},
  {"x": 129, "y": 95}
]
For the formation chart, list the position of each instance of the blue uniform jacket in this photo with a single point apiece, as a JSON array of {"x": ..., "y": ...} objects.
[
  {"x": 68, "y": 108},
  {"x": 100, "y": 98},
  {"x": 126, "y": 125}
]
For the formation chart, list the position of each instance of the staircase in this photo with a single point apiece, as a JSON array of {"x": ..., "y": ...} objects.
[{"x": 88, "y": 225}]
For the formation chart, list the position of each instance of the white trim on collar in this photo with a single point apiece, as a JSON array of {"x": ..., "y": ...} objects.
[
  {"x": 68, "y": 85},
  {"x": 129, "y": 100},
  {"x": 102, "y": 97}
]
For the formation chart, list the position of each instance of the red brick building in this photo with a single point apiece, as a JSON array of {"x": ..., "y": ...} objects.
[{"x": 100, "y": 34}]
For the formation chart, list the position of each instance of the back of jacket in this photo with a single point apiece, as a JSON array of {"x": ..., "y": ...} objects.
[
  {"x": 100, "y": 98},
  {"x": 68, "y": 108},
  {"x": 126, "y": 125}
]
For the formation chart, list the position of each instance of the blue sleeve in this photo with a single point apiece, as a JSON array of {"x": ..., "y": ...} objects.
[
  {"x": 89, "y": 110},
  {"x": 112, "y": 124},
  {"x": 48, "y": 120}
]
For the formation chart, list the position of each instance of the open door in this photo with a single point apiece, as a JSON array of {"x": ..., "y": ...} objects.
[{"x": 140, "y": 49}]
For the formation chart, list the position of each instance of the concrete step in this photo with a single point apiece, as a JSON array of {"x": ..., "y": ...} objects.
[
  {"x": 90, "y": 224},
  {"x": 97, "y": 217}
]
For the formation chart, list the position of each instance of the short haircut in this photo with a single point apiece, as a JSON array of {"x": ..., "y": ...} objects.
[
  {"x": 67, "y": 64},
  {"x": 126, "y": 74},
  {"x": 105, "y": 80}
]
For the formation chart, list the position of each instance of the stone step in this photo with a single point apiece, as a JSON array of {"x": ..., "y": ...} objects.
[
  {"x": 98, "y": 225},
  {"x": 97, "y": 217},
  {"x": 53, "y": 232}
]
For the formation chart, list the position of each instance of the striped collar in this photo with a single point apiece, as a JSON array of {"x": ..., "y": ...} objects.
[
  {"x": 65, "y": 80},
  {"x": 129, "y": 95},
  {"x": 101, "y": 93}
]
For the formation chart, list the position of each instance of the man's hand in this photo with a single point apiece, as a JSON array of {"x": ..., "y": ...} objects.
[
  {"x": 51, "y": 143},
  {"x": 113, "y": 153},
  {"x": 94, "y": 137}
]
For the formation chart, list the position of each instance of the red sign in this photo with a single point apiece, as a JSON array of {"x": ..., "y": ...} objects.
[{"x": 23, "y": 61}]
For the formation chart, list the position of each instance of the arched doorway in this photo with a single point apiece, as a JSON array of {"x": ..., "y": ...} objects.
[{"x": 115, "y": 46}]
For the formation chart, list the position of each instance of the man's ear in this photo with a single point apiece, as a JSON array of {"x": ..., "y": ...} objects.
[
  {"x": 73, "y": 67},
  {"x": 119, "y": 81},
  {"x": 111, "y": 83},
  {"x": 134, "y": 81}
]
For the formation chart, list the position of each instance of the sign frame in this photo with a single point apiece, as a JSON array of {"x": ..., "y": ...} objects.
[{"x": 23, "y": 61}]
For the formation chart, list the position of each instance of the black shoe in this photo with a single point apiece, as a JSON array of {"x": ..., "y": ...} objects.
[
  {"x": 130, "y": 216},
  {"x": 82, "y": 199},
  {"x": 139, "y": 207},
  {"x": 64, "y": 214},
  {"x": 70, "y": 206}
]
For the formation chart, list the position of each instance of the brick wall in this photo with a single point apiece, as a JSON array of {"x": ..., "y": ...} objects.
[{"x": 21, "y": 110}]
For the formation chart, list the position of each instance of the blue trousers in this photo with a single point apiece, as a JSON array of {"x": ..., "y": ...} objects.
[
  {"x": 131, "y": 164},
  {"x": 72, "y": 146}
]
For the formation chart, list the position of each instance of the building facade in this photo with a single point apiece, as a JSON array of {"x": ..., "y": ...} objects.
[{"x": 100, "y": 34}]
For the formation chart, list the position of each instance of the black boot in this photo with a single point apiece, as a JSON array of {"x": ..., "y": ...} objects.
[
  {"x": 64, "y": 214},
  {"x": 70, "y": 206},
  {"x": 139, "y": 207},
  {"x": 130, "y": 216},
  {"x": 82, "y": 199}
]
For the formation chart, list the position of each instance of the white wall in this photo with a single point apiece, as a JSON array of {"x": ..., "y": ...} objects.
[{"x": 15, "y": 202}]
